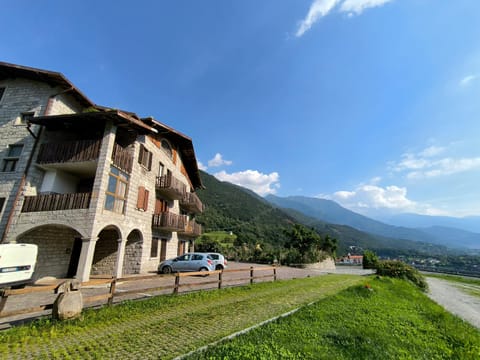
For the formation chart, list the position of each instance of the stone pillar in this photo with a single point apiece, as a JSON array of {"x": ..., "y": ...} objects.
[
  {"x": 86, "y": 259},
  {"x": 120, "y": 256}
]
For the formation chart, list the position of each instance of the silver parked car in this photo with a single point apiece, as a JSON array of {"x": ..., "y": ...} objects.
[
  {"x": 218, "y": 260},
  {"x": 187, "y": 262}
]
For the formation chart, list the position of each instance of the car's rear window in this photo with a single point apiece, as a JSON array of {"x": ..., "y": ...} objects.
[{"x": 214, "y": 256}]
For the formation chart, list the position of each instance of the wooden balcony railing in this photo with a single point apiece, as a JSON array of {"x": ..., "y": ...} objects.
[
  {"x": 192, "y": 228},
  {"x": 122, "y": 158},
  {"x": 71, "y": 151},
  {"x": 169, "y": 221},
  {"x": 170, "y": 186},
  {"x": 191, "y": 203},
  {"x": 55, "y": 202}
]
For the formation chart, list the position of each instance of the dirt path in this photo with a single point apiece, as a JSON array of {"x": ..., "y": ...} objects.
[{"x": 455, "y": 298}]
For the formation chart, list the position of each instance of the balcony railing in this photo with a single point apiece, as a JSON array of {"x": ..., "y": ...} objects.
[
  {"x": 192, "y": 229},
  {"x": 170, "y": 187},
  {"x": 122, "y": 158},
  {"x": 169, "y": 221},
  {"x": 72, "y": 151},
  {"x": 191, "y": 203},
  {"x": 55, "y": 202}
]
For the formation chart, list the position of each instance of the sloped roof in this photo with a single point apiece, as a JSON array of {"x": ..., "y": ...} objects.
[{"x": 11, "y": 71}]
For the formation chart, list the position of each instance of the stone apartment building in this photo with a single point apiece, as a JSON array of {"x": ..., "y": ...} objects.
[{"x": 100, "y": 191}]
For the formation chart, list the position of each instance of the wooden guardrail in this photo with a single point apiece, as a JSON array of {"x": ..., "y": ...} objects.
[{"x": 112, "y": 292}]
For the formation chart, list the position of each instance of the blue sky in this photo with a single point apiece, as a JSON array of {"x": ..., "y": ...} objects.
[{"x": 372, "y": 103}]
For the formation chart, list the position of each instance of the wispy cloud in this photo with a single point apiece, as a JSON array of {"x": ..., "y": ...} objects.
[
  {"x": 218, "y": 160},
  {"x": 358, "y": 6},
  {"x": 467, "y": 80},
  {"x": 428, "y": 164},
  {"x": 320, "y": 8},
  {"x": 254, "y": 180}
]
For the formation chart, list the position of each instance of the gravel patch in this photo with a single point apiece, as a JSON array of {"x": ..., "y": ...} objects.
[{"x": 453, "y": 299}]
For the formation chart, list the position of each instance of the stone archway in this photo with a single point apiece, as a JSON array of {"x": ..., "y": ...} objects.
[
  {"x": 133, "y": 253},
  {"x": 56, "y": 250},
  {"x": 105, "y": 255}
]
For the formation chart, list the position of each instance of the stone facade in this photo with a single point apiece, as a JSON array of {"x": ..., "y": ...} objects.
[{"x": 94, "y": 239}]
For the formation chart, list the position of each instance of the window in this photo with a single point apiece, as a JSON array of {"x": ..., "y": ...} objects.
[
  {"x": 154, "y": 247},
  {"x": 167, "y": 148},
  {"x": 13, "y": 155},
  {"x": 2, "y": 91},
  {"x": 145, "y": 157},
  {"x": 161, "y": 206},
  {"x": 161, "y": 169},
  {"x": 116, "y": 191},
  {"x": 142, "y": 200},
  {"x": 163, "y": 249}
]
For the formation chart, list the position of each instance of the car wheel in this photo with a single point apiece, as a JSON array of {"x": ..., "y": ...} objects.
[
  {"x": 167, "y": 269},
  {"x": 204, "y": 269},
  {"x": 219, "y": 267}
]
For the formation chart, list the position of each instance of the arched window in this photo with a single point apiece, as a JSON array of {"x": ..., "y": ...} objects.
[{"x": 167, "y": 148}]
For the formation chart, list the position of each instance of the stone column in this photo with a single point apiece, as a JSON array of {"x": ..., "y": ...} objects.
[
  {"x": 86, "y": 259},
  {"x": 120, "y": 256}
]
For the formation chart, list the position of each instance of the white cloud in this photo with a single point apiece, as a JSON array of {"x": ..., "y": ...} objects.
[
  {"x": 201, "y": 166},
  {"x": 262, "y": 184},
  {"x": 428, "y": 164},
  {"x": 357, "y": 6},
  {"x": 373, "y": 199},
  {"x": 218, "y": 161},
  {"x": 467, "y": 80},
  {"x": 318, "y": 9}
]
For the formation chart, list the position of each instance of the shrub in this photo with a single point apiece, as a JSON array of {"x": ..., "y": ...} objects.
[{"x": 398, "y": 269}]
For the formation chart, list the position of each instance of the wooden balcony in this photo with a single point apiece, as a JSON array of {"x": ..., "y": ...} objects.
[
  {"x": 191, "y": 203},
  {"x": 122, "y": 158},
  {"x": 56, "y": 202},
  {"x": 169, "y": 221},
  {"x": 71, "y": 151},
  {"x": 192, "y": 229},
  {"x": 170, "y": 187}
]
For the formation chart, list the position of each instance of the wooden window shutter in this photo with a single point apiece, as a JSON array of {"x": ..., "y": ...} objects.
[
  {"x": 149, "y": 163},
  {"x": 174, "y": 157},
  {"x": 145, "y": 200},
  {"x": 141, "y": 197}
]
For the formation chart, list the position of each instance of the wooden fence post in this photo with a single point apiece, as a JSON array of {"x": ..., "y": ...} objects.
[
  {"x": 274, "y": 273},
  {"x": 251, "y": 275},
  {"x": 220, "y": 279},
  {"x": 3, "y": 300},
  {"x": 113, "y": 285},
  {"x": 177, "y": 283}
]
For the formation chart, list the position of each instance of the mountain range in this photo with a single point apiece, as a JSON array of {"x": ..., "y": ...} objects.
[
  {"x": 331, "y": 212},
  {"x": 255, "y": 219}
]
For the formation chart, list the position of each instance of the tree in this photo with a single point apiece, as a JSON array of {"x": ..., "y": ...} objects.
[
  {"x": 370, "y": 260},
  {"x": 306, "y": 245}
]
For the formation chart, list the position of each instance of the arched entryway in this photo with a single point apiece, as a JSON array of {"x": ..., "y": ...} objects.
[
  {"x": 105, "y": 255},
  {"x": 133, "y": 253},
  {"x": 58, "y": 250}
]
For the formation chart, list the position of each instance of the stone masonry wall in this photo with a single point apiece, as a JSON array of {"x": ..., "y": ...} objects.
[{"x": 54, "y": 250}]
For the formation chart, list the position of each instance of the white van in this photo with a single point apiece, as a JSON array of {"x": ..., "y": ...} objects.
[{"x": 17, "y": 264}]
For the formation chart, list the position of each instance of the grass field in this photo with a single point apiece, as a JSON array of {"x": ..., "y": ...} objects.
[
  {"x": 384, "y": 319},
  {"x": 166, "y": 326},
  {"x": 340, "y": 317}
]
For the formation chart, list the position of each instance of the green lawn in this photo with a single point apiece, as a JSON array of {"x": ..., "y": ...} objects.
[
  {"x": 166, "y": 326},
  {"x": 387, "y": 319}
]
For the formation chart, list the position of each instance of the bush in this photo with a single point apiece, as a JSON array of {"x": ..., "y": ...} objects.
[{"x": 398, "y": 269}]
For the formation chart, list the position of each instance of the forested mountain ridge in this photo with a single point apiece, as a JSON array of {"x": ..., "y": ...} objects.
[{"x": 254, "y": 220}]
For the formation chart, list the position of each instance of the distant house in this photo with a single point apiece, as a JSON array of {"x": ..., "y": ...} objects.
[
  {"x": 351, "y": 259},
  {"x": 100, "y": 191}
]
